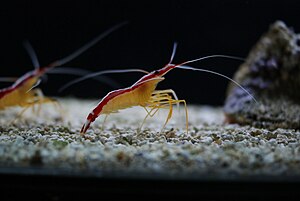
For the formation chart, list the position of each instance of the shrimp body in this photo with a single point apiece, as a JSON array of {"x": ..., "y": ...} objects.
[
  {"x": 21, "y": 93},
  {"x": 137, "y": 95},
  {"x": 142, "y": 93}
]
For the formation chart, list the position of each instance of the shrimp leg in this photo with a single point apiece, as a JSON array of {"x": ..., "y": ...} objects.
[
  {"x": 19, "y": 115},
  {"x": 155, "y": 109},
  {"x": 158, "y": 104},
  {"x": 40, "y": 98},
  {"x": 162, "y": 99},
  {"x": 171, "y": 102},
  {"x": 105, "y": 118},
  {"x": 26, "y": 107},
  {"x": 37, "y": 99}
]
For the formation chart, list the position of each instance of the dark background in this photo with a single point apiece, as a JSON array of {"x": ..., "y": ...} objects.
[{"x": 201, "y": 28}]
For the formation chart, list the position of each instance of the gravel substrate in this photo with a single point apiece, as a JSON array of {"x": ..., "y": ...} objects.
[{"x": 49, "y": 140}]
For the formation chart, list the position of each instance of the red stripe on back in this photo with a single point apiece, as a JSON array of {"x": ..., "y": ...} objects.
[
  {"x": 5, "y": 91},
  {"x": 109, "y": 97}
]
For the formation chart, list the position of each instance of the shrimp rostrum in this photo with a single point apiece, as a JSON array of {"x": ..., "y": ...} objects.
[
  {"x": 144, "y": 93},
  {"x": 23, "y": 91}
]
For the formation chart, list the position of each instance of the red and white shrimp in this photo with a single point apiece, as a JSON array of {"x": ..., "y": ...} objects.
[
  {"x": 23, "y": 92},
  {"x": 143, "y": 93}
]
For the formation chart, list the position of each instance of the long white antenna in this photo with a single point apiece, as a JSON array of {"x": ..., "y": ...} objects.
[
  {"x": 219, "y": 74},
  {"x": 173, "y": 52},
  {"x": 83, "y": 72},
  {"x": 212, "y": 56},
  {"x": 86, "y": 46},
  {"x": 100, "y": 73},
  {"x": 31, "y": 54}
]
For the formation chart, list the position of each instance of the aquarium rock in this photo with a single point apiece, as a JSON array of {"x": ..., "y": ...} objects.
[{"x": 271, "y": 73}]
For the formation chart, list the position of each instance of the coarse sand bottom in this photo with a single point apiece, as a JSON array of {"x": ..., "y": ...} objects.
[{"x": 50, "y": 140}]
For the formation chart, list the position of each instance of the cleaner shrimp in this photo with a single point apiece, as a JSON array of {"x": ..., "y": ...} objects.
[
  {"x": 23, "y": 91},
  {"x": 143, "y": 93}
]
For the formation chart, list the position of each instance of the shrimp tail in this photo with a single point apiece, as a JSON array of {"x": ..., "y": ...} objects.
[
  {"x": 91, "y": 118},
  {"x": 85, "y": 126}
]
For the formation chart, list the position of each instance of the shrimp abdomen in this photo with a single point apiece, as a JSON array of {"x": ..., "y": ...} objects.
[{"x": 137, "y": 95}]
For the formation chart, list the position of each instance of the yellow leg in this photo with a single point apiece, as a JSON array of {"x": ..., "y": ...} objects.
[
  {"x": 169, "y": 116},
  {"x": 148, "y": 114},
  {"x": 160, "y": 98},
  {"x": 105, "y": 118},
  {"x": 40, "y": 98},
  {"x": 19, "y": 115},
  {"x": 37, "y": 100},
  {"x": 167, "y": 91},
  {"x": 171, "y": 102},
  {"x": 186, "y": 114},
  {"x": 157, "y": 103}
]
